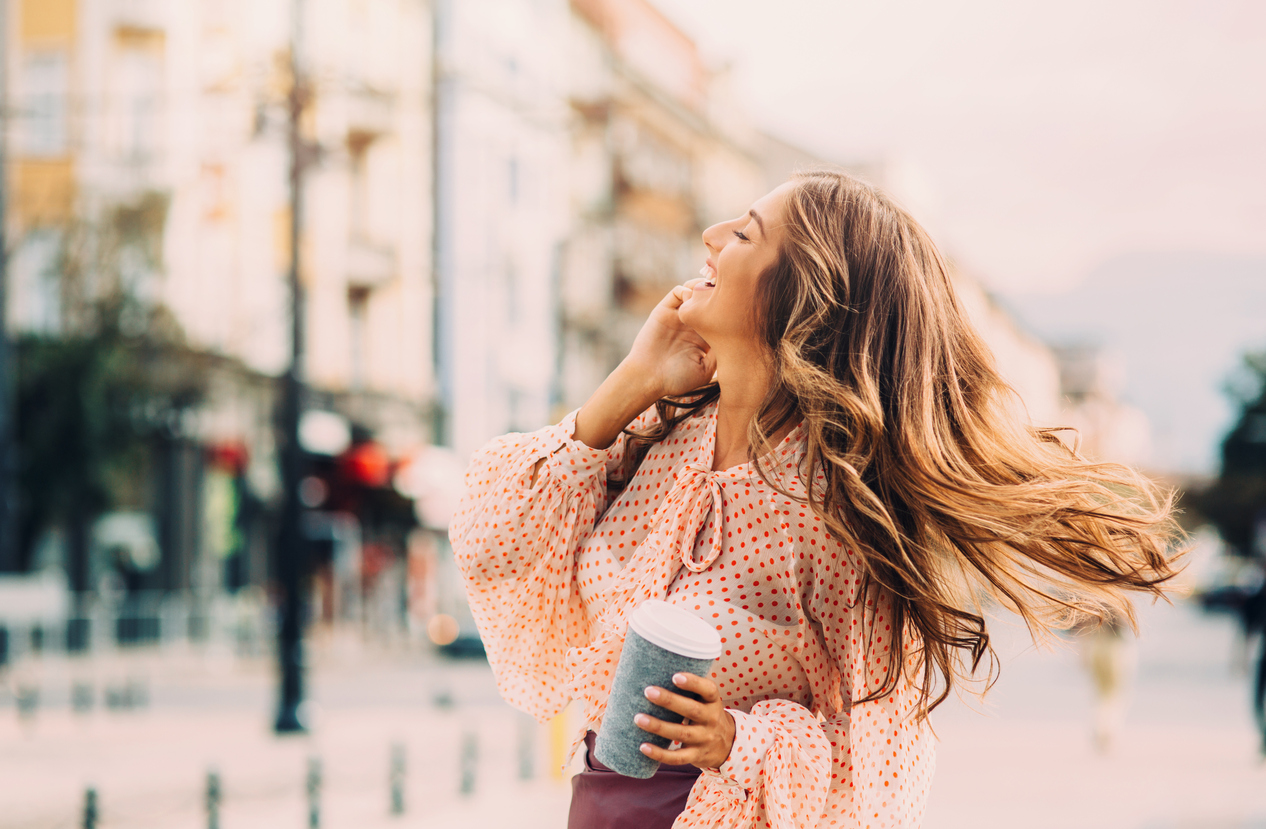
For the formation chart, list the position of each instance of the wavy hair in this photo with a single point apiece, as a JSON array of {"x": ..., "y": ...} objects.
[{"x": 917, "y": 450}]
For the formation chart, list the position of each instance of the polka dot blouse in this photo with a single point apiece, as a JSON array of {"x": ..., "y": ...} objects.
[{"x": 553, "y": 569}]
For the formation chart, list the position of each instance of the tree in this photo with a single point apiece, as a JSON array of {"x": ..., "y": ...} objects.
[
  {"x": 94, "y": 395},
  {"x": 1235, "y": 503}
]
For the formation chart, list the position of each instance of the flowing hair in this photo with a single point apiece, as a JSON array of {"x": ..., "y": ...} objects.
[{"x": 916, "y": 452}]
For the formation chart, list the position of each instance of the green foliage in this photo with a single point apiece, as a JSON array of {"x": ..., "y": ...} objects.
[{"x": 1236, "y": 502}]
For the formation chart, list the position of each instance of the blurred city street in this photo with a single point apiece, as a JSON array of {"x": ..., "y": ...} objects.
[
  {"x": 1186, "y": 757},
  {"x": 272, "y": 272},
  {"x": 149, "y": 765}
]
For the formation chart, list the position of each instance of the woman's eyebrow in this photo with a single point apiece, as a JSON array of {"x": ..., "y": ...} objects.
[{"x": 759, "y": 223}]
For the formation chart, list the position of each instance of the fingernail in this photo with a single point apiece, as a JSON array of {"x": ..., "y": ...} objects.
[
  {"x": 645, "y": 748},
  {"x": 641, "y": 719},
  {"x": 652, "y": 692},
  {"x": 679, "y": 679}
]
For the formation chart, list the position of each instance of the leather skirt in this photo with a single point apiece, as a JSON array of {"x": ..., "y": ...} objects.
[{"x": 603, "y": 799}]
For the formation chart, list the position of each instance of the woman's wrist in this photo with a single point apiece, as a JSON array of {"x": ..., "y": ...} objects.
[{"x": 626, "y": 393}]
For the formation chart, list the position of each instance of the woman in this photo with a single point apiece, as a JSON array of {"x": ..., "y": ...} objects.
[{"x": 812, "y": 449}]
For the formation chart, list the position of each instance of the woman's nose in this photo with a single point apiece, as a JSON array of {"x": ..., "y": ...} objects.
[{"x": 708, "y": 235}]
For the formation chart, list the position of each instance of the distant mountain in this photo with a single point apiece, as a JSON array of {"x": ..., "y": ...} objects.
[{"x": 1179, "y": 323}]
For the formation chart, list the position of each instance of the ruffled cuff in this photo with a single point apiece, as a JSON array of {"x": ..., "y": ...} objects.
[
  {"x": 753, "y": 736},
  {"x": 570, "y": 460}
]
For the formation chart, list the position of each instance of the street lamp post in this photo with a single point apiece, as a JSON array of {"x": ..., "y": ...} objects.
[
  {"x": 291, "y": 547},
  {"x": 8, "y": 535}
]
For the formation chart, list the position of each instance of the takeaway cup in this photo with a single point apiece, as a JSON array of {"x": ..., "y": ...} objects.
[{"x": 662, "y": 640}]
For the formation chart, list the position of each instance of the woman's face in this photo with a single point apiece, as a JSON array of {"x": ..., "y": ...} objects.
[{"x": 721, "y": 304}]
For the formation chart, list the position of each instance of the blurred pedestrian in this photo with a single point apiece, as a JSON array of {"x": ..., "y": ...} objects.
[
  {"x": 811, "y": 448},
  {"x": 1108, "y": 654}
]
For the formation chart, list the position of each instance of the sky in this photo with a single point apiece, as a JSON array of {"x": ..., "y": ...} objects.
[{"x": 1054, "y": 150}]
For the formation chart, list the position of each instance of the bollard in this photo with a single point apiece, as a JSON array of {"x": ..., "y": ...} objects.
[
  {"x": 314, "y": 793},
  {"x": 213, "y": 799},
  {"x": 527, "y": 748},
  {"x": 469, "y": 757},
  {"x": 397, "y": 779},
  {"x": 90, "y": 808}
]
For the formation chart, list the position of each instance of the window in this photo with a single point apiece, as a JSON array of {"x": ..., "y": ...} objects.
[
  {"x": 137, "y": 81},
  {"x": 44, "y": 99}
]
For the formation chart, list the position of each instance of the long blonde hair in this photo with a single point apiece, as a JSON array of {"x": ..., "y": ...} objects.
[{"x": 945, "y": 495}]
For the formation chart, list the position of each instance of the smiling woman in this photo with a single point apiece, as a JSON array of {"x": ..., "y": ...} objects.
[{"x": 809, "y": 448}]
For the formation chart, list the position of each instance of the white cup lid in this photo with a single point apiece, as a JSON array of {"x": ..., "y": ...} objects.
[{"x": 675, "y": 629}]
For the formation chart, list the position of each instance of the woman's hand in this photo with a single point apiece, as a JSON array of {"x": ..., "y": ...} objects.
[
  {"x": 706, "y": 735},
  {"x": 667, "y": 359},
  {"x": 674, "y": 357}
]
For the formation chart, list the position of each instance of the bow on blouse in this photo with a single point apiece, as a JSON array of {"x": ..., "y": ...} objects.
[{"x": 695, "y": 495}]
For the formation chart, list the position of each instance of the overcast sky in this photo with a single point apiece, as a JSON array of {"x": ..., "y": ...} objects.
[
  {"x": 1046, "y": 137},
  {"x": 1110, "y": 154}
]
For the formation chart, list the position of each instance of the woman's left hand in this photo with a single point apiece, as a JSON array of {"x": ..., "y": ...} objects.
[{"x": 706, "y": 735}]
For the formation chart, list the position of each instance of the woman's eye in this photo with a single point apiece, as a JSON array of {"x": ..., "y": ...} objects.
[{"x": 741, "y": 235}]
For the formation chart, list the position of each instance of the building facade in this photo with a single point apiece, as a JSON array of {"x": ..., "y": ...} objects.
[
  {"x": 651, "y": 168},
  {"x": 148, "y": 143}
]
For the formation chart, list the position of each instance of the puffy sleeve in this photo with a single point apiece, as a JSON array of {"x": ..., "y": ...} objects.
[
  {"x": 841, "y": 764},
  {"x": 515, "y": 543}
]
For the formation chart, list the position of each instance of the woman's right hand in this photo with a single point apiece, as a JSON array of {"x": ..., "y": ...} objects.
[
  {"x": 673, "y": 357},
  {"x": 667, "y": 358}
]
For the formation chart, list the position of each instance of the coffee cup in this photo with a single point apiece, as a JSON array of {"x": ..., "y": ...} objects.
[{"x": 662, "y": 640}]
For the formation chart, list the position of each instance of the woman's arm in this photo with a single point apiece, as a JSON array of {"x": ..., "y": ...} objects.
[
  {"x": 531, "y": 500},
  {"x": 626, "y": 393}
]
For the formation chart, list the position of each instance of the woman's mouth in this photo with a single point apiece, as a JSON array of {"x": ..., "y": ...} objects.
[{"x": 709, "y": 277}]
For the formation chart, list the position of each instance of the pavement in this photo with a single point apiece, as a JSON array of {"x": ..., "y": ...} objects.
[{"x": 1186, "y": 758}]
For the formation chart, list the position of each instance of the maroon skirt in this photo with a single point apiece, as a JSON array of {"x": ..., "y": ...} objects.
[{"x": 604, "y": 799}]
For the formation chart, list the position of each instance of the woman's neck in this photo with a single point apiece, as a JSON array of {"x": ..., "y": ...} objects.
[{"x": 744, "y": 380}]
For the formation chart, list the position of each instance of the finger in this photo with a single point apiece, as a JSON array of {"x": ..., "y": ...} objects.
[
  {"x": 682, "y": 733},
  {"x": 677, "y": 296},
  {"x": 705, "y": 688},
  {"x": 687, "y": 707},
  {"x": 682, "y": 292},
  {"x": 676, "y": 757}
]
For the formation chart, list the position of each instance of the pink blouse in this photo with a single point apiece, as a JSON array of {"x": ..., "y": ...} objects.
[{"x": 553, "y": 570}]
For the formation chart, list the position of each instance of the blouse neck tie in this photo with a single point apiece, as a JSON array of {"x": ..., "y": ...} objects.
[{"x": 695, "y": 496}]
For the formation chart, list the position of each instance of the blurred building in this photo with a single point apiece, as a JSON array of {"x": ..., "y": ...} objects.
[
  {"x": 502, "y": 163},
  {"x": 497, "y": 193},
  {"x": 659, "y": 153},
  {"x": 1109, "y": 429},
  {"x": 168, "y": 121}
]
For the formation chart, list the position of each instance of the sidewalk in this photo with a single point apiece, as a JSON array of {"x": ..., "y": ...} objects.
[
  {"x": 1187, "y": 756},
  {"x": 149, "y": 767}
]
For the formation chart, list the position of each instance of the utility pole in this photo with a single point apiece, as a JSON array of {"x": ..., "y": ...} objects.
[
  {"x": 8, "y": 536},
  {"x": 292, "y": 550},
  {"x": 441, "y": 225}
]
